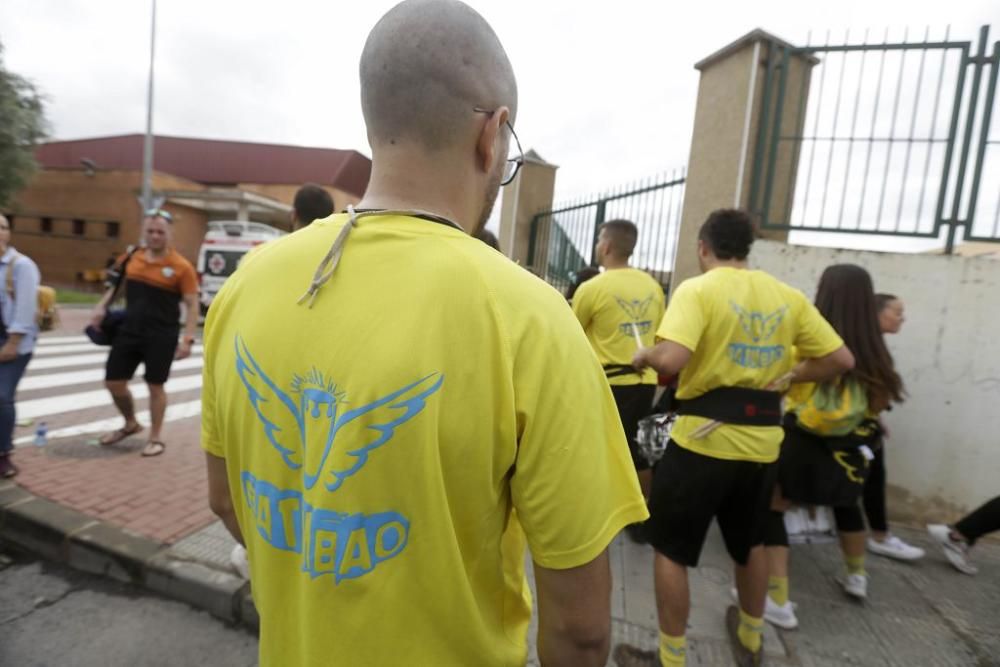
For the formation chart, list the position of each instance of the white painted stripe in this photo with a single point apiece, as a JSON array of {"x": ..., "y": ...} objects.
[
  {"x": 62, "y": 340},
  {"x": 65, "y": 362},
  {"x": 79, "y": 360},
  {"x": 41, "y": 407},
  {"x": 174, "y": 413},
  {"x": 52, "y": 380},
  {"x": 49, "y": 350}
]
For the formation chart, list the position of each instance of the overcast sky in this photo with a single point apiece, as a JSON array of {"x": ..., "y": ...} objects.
[{"x": 607, "y": 89}]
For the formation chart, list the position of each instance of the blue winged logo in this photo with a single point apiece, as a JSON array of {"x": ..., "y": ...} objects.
[
  {"x": 313, "y": 427},
  {"x": 758, "y": 326},
  {"x": 635, "y": 308}
]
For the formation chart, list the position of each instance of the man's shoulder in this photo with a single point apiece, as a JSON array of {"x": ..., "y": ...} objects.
[
  {"x": 179, "y": 260},
  {"x": 787, "y": 291},
  {"x": 726, "y": 279},
  {"x": 646, "y": 278},
  {"x": 516, "y": 292},
  {"x": 502, "y": 274},
  {"x": 20, "y": 261}
]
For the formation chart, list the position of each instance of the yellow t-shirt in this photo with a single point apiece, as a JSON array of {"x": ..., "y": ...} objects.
[
  {"x": 612, "y": 307},
  {"x": 378, "y": 443},
  {"x": 741, "y": 326}
]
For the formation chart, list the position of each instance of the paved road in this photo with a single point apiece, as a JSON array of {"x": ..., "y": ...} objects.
[{"x": 51, "y": 616}]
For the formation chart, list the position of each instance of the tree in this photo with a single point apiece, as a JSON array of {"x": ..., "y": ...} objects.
[{"x": 22, "y": 126}]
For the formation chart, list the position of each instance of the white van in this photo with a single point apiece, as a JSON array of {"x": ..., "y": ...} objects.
[{"x": 224, "y": 246}]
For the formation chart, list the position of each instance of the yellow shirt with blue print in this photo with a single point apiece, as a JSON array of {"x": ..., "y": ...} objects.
[
  {"x": 740, "y": 326},
  {"x": 614, "y": 308},
  {"x": 379, "y": 444}
]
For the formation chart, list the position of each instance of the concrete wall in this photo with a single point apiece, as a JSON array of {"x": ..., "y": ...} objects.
[{"x": 944, "y": 450}]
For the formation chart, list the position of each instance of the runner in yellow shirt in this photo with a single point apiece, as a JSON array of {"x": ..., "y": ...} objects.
[
  {"x": 619, "y": 311},
  {"x": 729, "y": 332},
  {"x": 386, "y": 444}
]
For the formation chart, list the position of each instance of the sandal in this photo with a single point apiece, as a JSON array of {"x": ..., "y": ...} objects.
[
  {"x": 119, "y": 435},
  {"x": 154, "y": 448}
]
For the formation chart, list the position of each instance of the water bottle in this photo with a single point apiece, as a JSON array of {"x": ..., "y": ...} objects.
[{"x": 41, "y": 434}]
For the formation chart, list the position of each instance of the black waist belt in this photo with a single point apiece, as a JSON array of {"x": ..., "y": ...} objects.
[
  {"x": 617, "y": 370},
  {"x": 735, "y": 405},
  {"x": 868, "y": 432}
]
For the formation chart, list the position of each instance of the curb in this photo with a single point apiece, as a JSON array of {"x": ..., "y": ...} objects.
[{"x": 67, "y": 536}]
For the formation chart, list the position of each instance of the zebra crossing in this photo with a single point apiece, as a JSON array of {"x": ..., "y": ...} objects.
[{"x": 64, "y": 387}]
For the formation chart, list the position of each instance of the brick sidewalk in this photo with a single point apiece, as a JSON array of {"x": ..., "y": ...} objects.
[{"x": 162, "y": 497}]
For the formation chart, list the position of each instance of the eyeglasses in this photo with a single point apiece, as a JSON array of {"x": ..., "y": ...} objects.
[
  {"x": 159, "y": 213},
  {"x": 513, "y": 163}
]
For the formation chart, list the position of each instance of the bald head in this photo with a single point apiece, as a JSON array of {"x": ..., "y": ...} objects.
[{"x": 426, "y": 65}]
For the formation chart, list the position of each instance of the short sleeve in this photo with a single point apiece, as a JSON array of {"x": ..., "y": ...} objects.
[
  {"x": 574, "y": 485},
  {"x": 684, "y": 321},
  {"x": 661, "y": 304},
  {"x": 583, "y": 304},
  {"x": 210, "y": 440},
  {"x": 188, "y": 282},
  {"x": 26, "y": 280},
  {"x": 816, "y": 338}
]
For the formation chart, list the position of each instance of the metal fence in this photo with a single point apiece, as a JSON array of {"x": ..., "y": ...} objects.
[
  {"x": 562, "y": 240},
  {"x": 888, "y": 138}
]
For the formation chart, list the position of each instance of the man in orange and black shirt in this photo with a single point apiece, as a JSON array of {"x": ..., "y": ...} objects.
[{"x": 157, "y": 278}]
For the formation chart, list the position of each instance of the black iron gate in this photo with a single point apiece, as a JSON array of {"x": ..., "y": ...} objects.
[{"x": 885, "y": 138}]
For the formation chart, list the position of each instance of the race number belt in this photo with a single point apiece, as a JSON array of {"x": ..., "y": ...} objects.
[{"x": 735, "y": 405}]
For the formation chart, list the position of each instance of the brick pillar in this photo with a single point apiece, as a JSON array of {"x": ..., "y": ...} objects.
[
  {"x": 530, "y": 194},
  {"x": 729, "y": 112}
]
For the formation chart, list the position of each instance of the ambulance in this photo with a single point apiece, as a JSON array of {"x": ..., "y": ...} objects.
[{"x": 225, "y": 244}]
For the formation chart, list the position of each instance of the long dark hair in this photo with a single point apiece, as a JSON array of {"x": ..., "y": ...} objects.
[{"x": 846, "y": 298}]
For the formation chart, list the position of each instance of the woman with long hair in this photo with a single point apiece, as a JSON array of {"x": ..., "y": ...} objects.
[
  {"x": 881, "y": 540},
  {"x": 830, "y": 432}
]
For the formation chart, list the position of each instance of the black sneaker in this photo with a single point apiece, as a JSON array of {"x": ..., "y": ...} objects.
[
  {"x": 7, "y": 467},
  {"x": 744, "y": 657},
  {"x": 626, "y": 655}
]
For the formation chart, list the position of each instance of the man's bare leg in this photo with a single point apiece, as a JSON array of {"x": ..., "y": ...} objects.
[{"x": 157, "y": 410}]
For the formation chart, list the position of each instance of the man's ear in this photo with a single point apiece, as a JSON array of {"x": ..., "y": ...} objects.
[{"x": 486, "y": 147}]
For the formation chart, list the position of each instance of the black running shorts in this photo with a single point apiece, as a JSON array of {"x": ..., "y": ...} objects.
[
  {"x": 154, "y": 349},
  {"x": 635, "y": 402},
  {"x": 690, "y": 490},
  {"x": 811, "y": 472}
]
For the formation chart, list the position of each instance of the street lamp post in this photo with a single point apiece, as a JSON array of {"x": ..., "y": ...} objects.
[{"x": 147, "y": 148}]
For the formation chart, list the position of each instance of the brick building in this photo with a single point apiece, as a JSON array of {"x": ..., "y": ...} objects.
[{"x": 82, "y": 207}]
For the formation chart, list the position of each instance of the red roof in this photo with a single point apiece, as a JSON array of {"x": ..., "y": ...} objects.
[{"x": 212, "y": 162}]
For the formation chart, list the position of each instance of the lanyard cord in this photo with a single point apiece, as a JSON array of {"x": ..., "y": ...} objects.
[{"x": 332, "y": 258}]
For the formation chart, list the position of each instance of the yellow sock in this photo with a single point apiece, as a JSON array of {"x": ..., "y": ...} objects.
[
  {"x": 777, "y": 590},
  {"x": 673, "y": 650},
  {"x": 855, "y": 564},
  {"x": 751, "y": 632}
]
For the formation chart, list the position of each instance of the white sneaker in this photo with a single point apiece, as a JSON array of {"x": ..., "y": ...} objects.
[
  {"x": 956, "y": 551},
  {"x": 239, "y": 560},
  {"x": 893, "y": 547},
  {"x": 782, "y": 616},
  {"x": 795, "y": 524},
  {"x": 856, "y": 585}
]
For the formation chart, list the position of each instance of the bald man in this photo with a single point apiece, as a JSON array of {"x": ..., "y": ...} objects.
[{"x": 390, "y": 423}]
